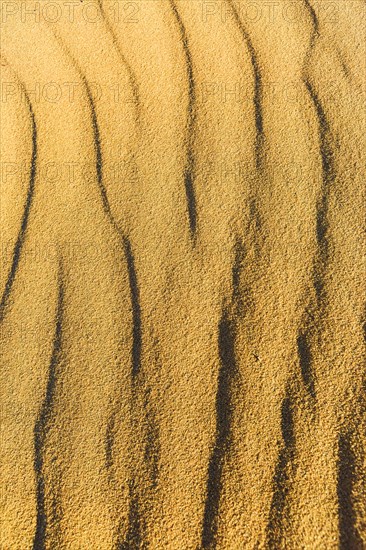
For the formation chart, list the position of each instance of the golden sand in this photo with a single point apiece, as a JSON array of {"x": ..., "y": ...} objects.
[{"x": 183, "y": 275}]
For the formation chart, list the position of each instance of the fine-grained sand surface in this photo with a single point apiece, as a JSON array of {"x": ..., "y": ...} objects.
[{"x": 183, "y": 275}]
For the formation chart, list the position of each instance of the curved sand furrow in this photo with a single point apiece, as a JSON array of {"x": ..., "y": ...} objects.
[
  {"x": 189, "y": 170},
  {"x": 42, "y": 425},
  {"x": 11, "y": 244}
]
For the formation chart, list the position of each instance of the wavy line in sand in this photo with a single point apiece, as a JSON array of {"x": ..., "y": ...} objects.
[
  {"x": 44, "y": 418},
  {"x": 25, "y": 218},
  {"x": 191, "y": 123}
]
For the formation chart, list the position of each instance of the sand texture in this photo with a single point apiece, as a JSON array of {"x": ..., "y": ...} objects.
[{"x": 183, "y": 275}]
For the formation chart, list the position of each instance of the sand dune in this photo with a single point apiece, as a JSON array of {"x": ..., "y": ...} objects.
[{"x": 183, "y": 275}]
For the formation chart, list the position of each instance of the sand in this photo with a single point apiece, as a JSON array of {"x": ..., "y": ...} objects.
[{"x": 183, "y": 275}]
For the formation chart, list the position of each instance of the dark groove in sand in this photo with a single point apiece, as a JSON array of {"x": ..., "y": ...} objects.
[
  {"x": 191, "y": 121},
  {"x": 349, "y": 537},
  {"x": 328, "y": 169},
  {"x": 321, "y": 257},
  {"x": 109, "y": 441},
  {"x": 239, "y": 250},
  {"x": 344, "y": 67},
  {"x": 223, "y": 429},
  {"x": 96, "y": 138},
  {"x": 95, "y": 129},
  {"x": 133, "y": 540},
  {"x": 24, "y": 223},
  {"x": 315, "y": 22},
  {"x": 224, "y": 406},
  {"x": 258, "y": 91},
  {"x": 305, "y": 360},
  {"x": 134, "y": 535},
  {"x": 42, "y": 423},
  {"x": 282, "y": 478},
  {"x": 132, "y": 77},
  {"x": 152, "y": 449},
  {"x": 136, "y": 309}
]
